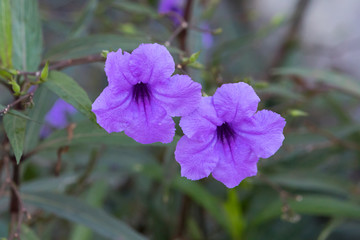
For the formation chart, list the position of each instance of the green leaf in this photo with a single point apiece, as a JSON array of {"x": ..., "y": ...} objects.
[
  {"x": 87, "y": 133},
  {"x": 311, "y": 181},
  {"x": 69, "y": 90},
  {"x": 193, "y": 58},
  {"x": 297, "y": 113},
  {"x": 339, "y": 81},
  {"x": 84, "y": 19},
  {"x": 135, "y": 8},
  {"x": 28, "y": 234},
  {"x": 80, "y": 47},
  {"x": 45, "y": 72},
  {"x": 76, "y": 211},
  {"x": 5, "y": 34},
  {"x": 317, "y": 205},
  {"x": 42, "y": 103},
  {"x": 27, "y": 36},
  {"x": 95, "y": 197},
  {"x": 15, "y": 130}
]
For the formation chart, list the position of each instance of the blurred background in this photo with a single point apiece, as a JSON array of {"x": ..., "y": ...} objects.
[{"x": 301, "y": 57}]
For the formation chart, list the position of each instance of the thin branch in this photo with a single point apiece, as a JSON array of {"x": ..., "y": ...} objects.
[
  {"x": 27, "y": 96},
  {"x": 67, "y": 63}
]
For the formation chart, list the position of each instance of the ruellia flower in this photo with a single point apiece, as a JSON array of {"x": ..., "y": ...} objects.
[
  {"x": 57, "y": 117},
  {"x": 142, "y": 94},
  {"x": 225, "y": 136}
]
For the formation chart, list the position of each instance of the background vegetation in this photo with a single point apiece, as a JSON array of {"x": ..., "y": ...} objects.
[{"x": 81, "y": 183}]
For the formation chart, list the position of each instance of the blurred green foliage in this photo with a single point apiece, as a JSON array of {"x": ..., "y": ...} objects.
[{"x": 110, "y": 187}]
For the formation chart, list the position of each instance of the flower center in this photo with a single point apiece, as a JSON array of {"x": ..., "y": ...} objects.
[
  {"x": 141, "y": 92},
  {"x": 225, "y": 132}
]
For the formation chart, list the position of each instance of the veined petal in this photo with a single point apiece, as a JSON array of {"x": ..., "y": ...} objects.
[
  {"x": 263, "y": 132},
  {"x": 234, "y": 101},
  {"x": 202, "y": 123},
  {"x": 150, "y": 123},
  {"x": 236, "y": 162},
  {"x": 197, "y": 159},
  {"x": 151, "y": 63},
  {"x": 117, "y": 70},
  {"x": 179, "y": 96},
  {"x": 111, "y": 110}
]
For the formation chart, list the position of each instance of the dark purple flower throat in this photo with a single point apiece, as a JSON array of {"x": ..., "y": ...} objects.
[
  {"x": 225, "y": 132},
  {"x": 141, "y": 92}
]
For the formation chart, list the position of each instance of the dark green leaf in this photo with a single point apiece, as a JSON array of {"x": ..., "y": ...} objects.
[
  {"x": 69, "y": 90},
  {"x": 84, "y": 19},
  {"x": 86, "y": 133},
  {"x": 76, "y": 211},
  {"x": 5, "y": 34},
  {"x": 93, "y": 44},
  {"x": 336, "y": 80},
  {"x": 135, "y": 8},
  {"x": 27, "y": 36},
  {"x": 311, "y": 181},
  {"x": 42, "y": 103},
  {"x": 15, "y": 128}
]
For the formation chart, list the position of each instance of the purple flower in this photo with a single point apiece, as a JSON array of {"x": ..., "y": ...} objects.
[
  {"x": 166, "y": 6},
  {"x": 225, "y": 136},
  {"x": 142, "y": 96},
  {"x": 57, "y": 117}
]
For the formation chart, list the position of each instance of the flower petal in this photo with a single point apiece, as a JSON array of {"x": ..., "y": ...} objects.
[
  {"x": 197, "y": 159},
  {"x": 151, "y": 63},
  {"x": 234, "y": 101},
  {"x": 201, "y": 123},
  {"x": 236, "y": 163},
  {"x": 179, "y": 96},
  {"x": 263, "y": 132},
  {"x": 150, "y": 124},
  {"x": 111, "y": 110},
  {"x": 117, "y": 70}
]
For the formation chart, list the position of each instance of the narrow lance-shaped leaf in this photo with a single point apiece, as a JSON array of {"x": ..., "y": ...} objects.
[
  {"x": 76, "y": 211},
  {"x": 5, "y": 34},
  {"x": 15, "y": 130},
  {"x": 69, "y": 90},
  {"x": 27, "y": 36}
]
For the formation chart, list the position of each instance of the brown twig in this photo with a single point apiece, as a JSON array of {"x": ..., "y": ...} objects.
[{"x": 187, "y": 18}]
